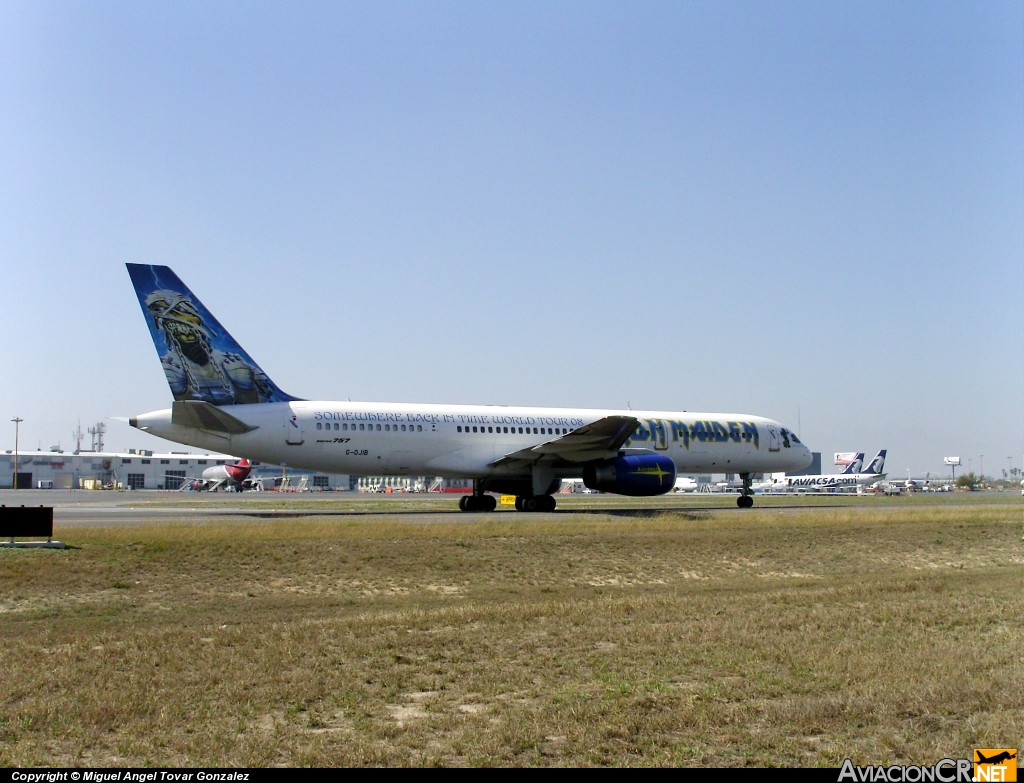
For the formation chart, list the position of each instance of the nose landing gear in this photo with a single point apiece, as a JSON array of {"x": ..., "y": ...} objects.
[{"x": 746, "y": 498}]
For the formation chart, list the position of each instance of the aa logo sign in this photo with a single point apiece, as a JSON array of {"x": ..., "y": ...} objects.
[{"x": 998, "y": 765}]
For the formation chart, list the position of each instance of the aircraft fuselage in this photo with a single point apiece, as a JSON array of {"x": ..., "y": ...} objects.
[{"x": 464, "y": 440}]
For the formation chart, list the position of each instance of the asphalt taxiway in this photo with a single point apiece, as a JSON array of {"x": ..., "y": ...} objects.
[{"x": 98, "y": 508}]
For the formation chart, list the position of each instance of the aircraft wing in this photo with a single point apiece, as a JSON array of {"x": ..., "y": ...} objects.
[{"x": 601, "y": 438}]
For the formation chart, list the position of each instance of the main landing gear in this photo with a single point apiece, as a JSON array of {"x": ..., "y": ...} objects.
[
  {"x": 477, "y": 503},
  {"x": 746, "y": 498},
  {"x": 535, "y": 503},
  {"x": 482, "y": 502}
]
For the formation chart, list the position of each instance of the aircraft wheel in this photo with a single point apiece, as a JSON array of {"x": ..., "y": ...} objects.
[
  {"x": 535, "y": 503},
  {"x": 745, "y": 501},
  {"x": 530, "y": 503},
  {"x": 464, "y": 502},
  {"x": 488, "y": 503}
]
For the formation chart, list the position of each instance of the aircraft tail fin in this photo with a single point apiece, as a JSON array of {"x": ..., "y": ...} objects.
[
  {"x": 201, "y": 360},
  {"x": 877, "y": 464},
  {"x": 240, "y": 471},
  {"x": 855, "y": 464}
]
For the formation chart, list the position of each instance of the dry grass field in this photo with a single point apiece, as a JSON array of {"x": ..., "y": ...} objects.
[{"x": 607, "y": 634}]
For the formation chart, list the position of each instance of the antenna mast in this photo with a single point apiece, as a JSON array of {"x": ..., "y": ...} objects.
[{"x": 97, "y": 435}]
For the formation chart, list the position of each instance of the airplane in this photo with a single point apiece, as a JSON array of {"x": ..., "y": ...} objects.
[
  {"x": 926, "y": 484},
  {"x": 685, "y": 484},
  {"x": 225, "y": 402},
  {"x": 877, "y": 464},
  {"x": 851, "y": 478},
  {"x": 230, "y": 477}
]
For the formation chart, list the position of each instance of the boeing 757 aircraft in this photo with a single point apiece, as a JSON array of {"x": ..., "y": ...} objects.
[{"x": 224, "y": 402}]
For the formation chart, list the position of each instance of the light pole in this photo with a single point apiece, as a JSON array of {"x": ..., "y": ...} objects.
[
  {"x": 981, "y": 467},
  {"x": 16, "y": 421}
]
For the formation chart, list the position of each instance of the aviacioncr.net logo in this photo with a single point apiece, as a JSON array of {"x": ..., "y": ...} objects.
[{"x": 943, "y": 771}]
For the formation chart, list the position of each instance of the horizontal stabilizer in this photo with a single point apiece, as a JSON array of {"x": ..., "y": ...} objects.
[{"x": 204, "y": 416}]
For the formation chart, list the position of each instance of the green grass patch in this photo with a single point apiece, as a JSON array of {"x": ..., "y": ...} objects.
[{"x": 679, "y": 634}]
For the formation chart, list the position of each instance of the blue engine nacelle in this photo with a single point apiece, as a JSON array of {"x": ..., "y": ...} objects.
[{"x": 638, "y": 475}]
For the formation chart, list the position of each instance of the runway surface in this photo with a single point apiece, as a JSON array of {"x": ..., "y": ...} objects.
[{"x": 98, "y": 508}]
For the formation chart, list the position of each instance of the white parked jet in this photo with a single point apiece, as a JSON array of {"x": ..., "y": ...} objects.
[
  {"x": 851, "y": 478},
  {"x": 224, "y": 402},
  {"x": 686, "y": 484},
  {"x": 227, "y": 476}
]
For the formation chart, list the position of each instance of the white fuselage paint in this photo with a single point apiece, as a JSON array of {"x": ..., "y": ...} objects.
[
  {"x": 461, "y": 441},
  {"x": 833, "y": 481}
]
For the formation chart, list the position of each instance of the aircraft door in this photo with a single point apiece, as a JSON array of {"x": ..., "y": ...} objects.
[
  {"x": 659, "y": 434},
  {"x": 774, "y": 441},
  {"x": 294, "y": 430}
]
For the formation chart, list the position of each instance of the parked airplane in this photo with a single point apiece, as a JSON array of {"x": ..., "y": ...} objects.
[
  {"x": 850, "y": 478},
  {"x": 926, "y": 484},
  {"x": 224, "y": 401},
  {"x": 217, "y": 477},
  {"x": 877, "y": 464},
  {"x": 685, "y": 484},
  {"x": 231, "y": 477}
]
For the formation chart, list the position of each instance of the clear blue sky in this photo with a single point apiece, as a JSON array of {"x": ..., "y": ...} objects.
[{"x": 809, "y": 211}]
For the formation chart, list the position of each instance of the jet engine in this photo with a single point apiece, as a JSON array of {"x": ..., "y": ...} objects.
[{"x": 638, "y": 475}]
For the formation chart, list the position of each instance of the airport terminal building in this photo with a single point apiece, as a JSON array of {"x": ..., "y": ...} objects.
[{"x": 138, "y": 469}]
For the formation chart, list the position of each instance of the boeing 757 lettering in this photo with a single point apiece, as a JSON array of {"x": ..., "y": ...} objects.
[{"x": 223, "y": 401}]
